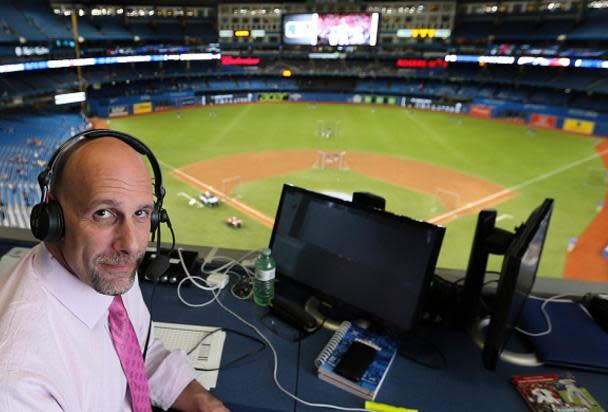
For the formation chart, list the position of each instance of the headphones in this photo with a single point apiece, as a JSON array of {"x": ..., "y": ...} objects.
[{"x": 46, "y": 218}]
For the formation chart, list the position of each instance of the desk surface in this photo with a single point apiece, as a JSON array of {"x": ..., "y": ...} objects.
[{"x": 462, "y": 385}]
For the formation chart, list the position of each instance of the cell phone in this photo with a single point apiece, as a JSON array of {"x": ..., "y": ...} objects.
[{"x": 356, "y": 360}]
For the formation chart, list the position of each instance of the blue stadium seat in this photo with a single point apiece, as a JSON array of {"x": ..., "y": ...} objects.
[
  {"x": 21, "y": 24},
  {"x": 593, "y": 27},
  {"x": 26, "y": 144}
]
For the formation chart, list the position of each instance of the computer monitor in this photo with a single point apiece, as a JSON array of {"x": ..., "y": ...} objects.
[
  {"x": 377, "y": 263},
  {"x": 522, "y": 251},
  {"x": 517, "y": 276}
]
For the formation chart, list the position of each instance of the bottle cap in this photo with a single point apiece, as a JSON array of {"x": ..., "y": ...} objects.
[{"x": 266, "y": 252}]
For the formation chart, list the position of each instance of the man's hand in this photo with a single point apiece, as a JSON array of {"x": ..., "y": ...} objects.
[{"x": 195, "y": 398}]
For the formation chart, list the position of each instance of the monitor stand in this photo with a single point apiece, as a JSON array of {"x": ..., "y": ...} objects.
[
  {"x": 516, "y": 358},
  {"x": 312, "y": 307}
]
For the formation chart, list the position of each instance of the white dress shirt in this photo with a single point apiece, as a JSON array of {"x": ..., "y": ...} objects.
[{"x": 56, "y": 351}]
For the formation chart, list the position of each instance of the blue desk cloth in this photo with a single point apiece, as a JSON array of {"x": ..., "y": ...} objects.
[
  {"x": 576, "y": 341},
  {"x": 463, "y": 385},
  {"x": 249, "y": 382}
]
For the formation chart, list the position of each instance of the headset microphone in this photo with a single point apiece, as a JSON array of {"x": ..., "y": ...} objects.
[{"x": 157, "y": 267}]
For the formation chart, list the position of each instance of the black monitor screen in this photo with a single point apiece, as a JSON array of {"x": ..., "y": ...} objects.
[
  {"x": 517, "y": 277},
  {"x": 372, "y": 260}
]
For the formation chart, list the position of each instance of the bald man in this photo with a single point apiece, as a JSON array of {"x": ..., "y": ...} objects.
[{"x": 56, "y": 345}]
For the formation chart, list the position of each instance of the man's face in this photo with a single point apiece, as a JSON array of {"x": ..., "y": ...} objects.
[{"x": 107, "y": 202}]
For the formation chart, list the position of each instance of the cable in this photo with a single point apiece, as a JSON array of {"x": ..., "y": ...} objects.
[
  {"x": 191, "y": 278},
  {"x": 145, "y": 353},
  {"x": 276, "y": 366},
  {"x": 230, "y": 264},
  {"x": 546, "y": 301},
  {"x": 243, "y": 288},
  {"x": 194, "y": 280},
  {"x": 225, "y": 268},
  {"x": 238, "y": 359},
  {"x": 215, "y": 293}
]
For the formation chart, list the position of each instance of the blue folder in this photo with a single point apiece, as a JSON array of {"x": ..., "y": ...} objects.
[{"x": 576, "y": 341}]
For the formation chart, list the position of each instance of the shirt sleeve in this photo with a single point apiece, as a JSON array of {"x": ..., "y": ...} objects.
[{"x": 168, "y": 373}]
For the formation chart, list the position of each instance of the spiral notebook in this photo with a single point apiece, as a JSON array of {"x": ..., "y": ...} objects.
[{"x": 369, "y": 384}]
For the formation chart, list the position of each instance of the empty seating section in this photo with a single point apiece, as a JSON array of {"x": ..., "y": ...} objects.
[
  {"x": 496, "y": 81},
  {"x": 6, "y": 33},
  {"x": 551, "y": 29},
  {"x": 473, "y": 29},
  {"x": 34, "y": 21},
  {"x": 143, "y": 31},
  {"x": 203, "y": 30},
  {"x": 591, "y": 27},
  {"x": 113, "y": 28},
  {"x": 20, "y": 23},
  {"x": 26, "y": 144},
  {"x": 86, "y": 29},
  {"x": 53, "y": 27}
]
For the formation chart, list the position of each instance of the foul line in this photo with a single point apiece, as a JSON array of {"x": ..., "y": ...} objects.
[
  {"x": 512, "y": 189},
  {"x": 265, "y": 220}
]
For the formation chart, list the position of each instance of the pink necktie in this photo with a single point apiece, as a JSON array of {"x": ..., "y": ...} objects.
[{"x": 129, "y": 353}]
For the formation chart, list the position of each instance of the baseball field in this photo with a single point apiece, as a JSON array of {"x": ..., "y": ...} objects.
[{"x": 433, "y": 166}]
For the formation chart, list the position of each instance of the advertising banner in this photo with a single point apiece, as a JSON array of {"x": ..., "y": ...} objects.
[
  {"x": 119, "y": 110},
  {"x": 543, "y": 120},
  {"x": 578, "y": 125},
  {"x": 145, "y": 107},
  {"x": 480, "y": 111}
]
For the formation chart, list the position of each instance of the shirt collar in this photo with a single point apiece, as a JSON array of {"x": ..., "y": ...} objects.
[{"x": 82, "y": 300}]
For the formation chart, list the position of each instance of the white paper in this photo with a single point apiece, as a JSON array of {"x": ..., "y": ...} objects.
[{"x": 203, "y": 344}]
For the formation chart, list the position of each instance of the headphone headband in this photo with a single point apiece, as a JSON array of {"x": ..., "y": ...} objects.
[
  {"x": 46, "y": 218},
  {"x": 45, "y": 179}
]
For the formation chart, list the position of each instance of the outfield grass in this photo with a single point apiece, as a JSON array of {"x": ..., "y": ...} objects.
[{"x": 537, "y": 164}]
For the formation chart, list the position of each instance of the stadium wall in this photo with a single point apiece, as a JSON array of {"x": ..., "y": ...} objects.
[{"x": 572, "y": 120}]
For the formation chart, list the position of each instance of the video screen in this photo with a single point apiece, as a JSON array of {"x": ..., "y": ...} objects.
[{"x": 333, "y": 29}]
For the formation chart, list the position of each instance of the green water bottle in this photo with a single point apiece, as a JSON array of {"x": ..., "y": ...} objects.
[{"x": 263, "y": 285}]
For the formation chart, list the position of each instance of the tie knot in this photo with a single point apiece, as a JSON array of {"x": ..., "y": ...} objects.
[{"x": 117, "y": 308}]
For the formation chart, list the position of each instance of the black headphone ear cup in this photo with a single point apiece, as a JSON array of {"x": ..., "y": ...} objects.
[
  {"x": 154, "y": 219},
  {"x": 46, "y": 221},
  {"x": 158, "y": 216},
  {"x": 36, "y": 225}
]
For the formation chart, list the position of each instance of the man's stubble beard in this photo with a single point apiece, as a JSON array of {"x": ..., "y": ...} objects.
[{"x": 109, "y": 287}]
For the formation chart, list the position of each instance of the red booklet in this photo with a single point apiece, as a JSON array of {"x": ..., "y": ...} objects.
[{"x": 555, "y": 393}]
